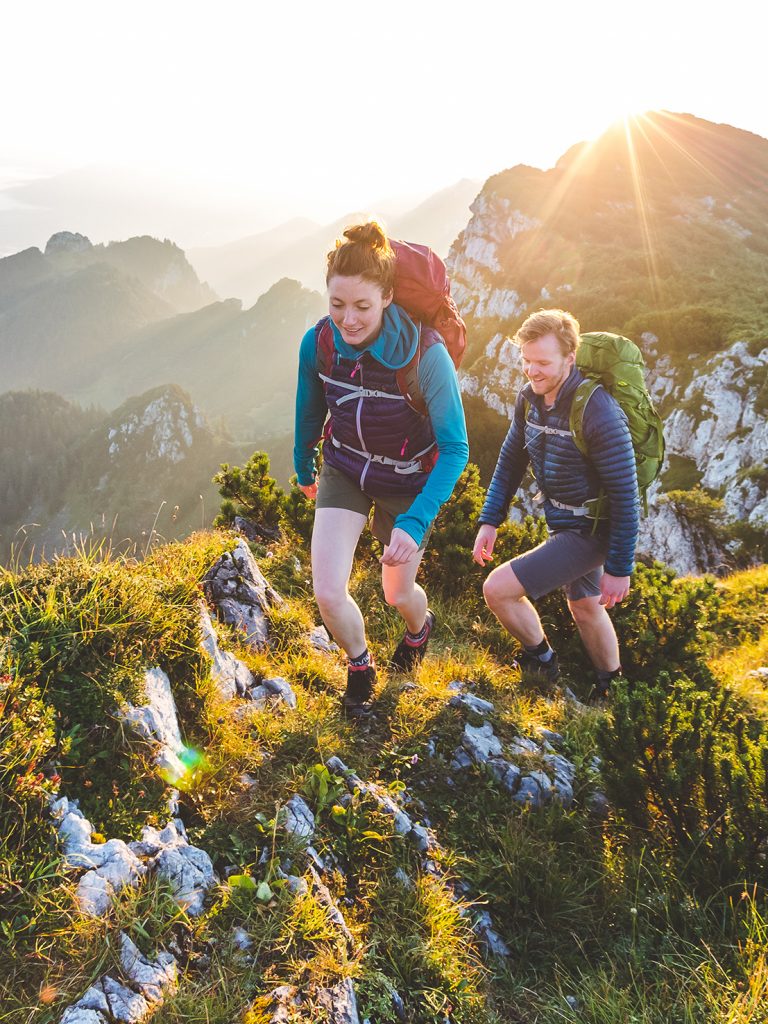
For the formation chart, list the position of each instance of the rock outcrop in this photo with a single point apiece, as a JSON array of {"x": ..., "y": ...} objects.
[{"x": 238, "y": 589}]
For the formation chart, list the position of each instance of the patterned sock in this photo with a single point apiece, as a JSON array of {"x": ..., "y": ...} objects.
[
  {"x": 417, "y": 639},
  {"x": 542, "y": 651},
  {"x": 361, "y": 661}
]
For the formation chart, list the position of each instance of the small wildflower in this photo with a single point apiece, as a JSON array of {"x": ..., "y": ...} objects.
[{"x": 48, "y": 994}]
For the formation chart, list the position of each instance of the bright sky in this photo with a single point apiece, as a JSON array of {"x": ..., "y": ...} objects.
[{"x": 324, "y": 107}]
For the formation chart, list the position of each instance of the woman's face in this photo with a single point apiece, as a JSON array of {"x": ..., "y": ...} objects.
[{"x": 356, "y": 307}]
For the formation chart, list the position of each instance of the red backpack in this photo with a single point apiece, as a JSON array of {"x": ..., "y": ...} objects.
[{"x": 423, "y": 290}]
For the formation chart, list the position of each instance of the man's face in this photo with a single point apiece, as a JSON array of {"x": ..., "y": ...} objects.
[
  {"x": 545, "y": 366},
  {"x": 357, "y": 308}
]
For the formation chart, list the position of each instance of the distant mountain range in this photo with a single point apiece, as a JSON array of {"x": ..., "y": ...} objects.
[
  {"x": 69, "y": 475},
  {"x": 297, "y": 249}
]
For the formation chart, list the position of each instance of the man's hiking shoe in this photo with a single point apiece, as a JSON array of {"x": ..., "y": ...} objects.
[
  {"x": 533, "y": 669},
  {"x": 407, "y": 654},
  {"x": 602, "y": 687},
  {"x": 358, "y": 698}
]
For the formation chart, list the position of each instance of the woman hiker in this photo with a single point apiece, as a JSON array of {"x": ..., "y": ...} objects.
[{"x": 378, "y": 452}]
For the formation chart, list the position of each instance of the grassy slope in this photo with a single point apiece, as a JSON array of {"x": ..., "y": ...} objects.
[{"x": 587, "y": 906}]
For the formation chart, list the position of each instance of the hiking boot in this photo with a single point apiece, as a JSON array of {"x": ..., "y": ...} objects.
[
  {"x": 601, "y": 688},
  {"x": 358, "y": 698},
  {"x": 408, "y": 655},
  {"x": 533, "y": 669}
]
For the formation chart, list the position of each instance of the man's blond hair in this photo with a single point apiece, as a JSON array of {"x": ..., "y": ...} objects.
[{"x": 562, "y": 324}]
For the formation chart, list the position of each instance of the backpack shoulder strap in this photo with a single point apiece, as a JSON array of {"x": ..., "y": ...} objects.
[
  {"x": 324, "y": 346},
  {"x": 408, "y": 378},
  {"x": 581, "y": 396}
]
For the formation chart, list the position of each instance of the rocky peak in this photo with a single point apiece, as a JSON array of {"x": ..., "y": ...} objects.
[
  {"x": 67, "y": 241},
  {"x": 160, "y": 426}
]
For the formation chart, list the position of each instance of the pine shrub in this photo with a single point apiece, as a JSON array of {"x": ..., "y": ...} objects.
[{"x": 683, "y": 762}]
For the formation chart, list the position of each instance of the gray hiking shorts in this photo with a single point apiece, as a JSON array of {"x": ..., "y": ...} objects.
[{"x": 569, "y": 559}]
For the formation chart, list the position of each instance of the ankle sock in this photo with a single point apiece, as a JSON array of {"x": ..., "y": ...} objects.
[
  {"x": 541, "y": 651},
  {"x": 361, "y": 661},
  {"x": 417, "y": 639}
]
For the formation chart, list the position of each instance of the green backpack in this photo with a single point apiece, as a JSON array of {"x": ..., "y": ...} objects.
[{"x": 618, "y": 365}]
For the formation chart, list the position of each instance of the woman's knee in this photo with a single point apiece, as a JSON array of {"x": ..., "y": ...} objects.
[
  {"x": 329, "y": 595},
  {"x": 395, "y": 593}
]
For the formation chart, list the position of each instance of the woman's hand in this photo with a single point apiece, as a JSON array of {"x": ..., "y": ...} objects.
[
  {"x": 482, "y": 552},
  {"x": 401, "y": 548},
  {"x": 308, "y": 490}
]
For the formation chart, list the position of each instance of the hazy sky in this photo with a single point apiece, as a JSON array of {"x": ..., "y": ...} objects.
[{"x": 317, "y": 108}]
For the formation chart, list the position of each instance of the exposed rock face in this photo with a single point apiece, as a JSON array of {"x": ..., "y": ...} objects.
[
  {"x": 232, "y": 676},
  {"x": 164, "y": 430},
  {"x": 237, "y": 587},
  {"x": 111, "y": 866},
  {"x": 67, "y": 241},
  {"x": 187, "y": 868},
  {"x": 298, "y": 818},
  {"x": 476, "y": 271},
  {"x": 532, "y": 786},
  {"x": 143, "y": 990},
  {"x": 157, "y": 722}
]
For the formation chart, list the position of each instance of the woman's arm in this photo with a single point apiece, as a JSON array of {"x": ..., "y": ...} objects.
[{"x": 311, "y": 411}]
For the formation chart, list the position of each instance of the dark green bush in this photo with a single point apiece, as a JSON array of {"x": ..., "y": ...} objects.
[
  {"x": 249, "y": 491},
  {"x": 666, "y": 624},
  {"x": 682, "y": 761}
]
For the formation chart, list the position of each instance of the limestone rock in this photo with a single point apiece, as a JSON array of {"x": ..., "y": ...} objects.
[
  {"x": 112, "y": 865},
  {"x": 489, "y": 936},
  {"x": 67, "y": 241},
  {"x": 187, "y": 868},
  {"x": 339, "y": 1003},
  {"x": 278, "y": 687},
  {"x": 238, "y": 589},
  {"x": 154, "y": 978},
  {"x": 469, "y": 702},
  {"x": 481, "y": 742},
  {"x": 157, "y": 722},
  {"x": 321, "y": 641},
  {"x": 232, "y": 676},
  {"x": 299, "y": 819}
]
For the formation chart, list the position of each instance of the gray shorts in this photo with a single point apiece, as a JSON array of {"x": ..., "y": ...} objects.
[
  {"x": 569, "y": 559},
  {"x": 336, "y": 490}
]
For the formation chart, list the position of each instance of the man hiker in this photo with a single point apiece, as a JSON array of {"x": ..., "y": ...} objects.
[{"x": 592, "y": 562}]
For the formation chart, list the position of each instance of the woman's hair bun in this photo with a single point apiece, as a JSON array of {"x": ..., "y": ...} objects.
[
  {"x": 364, "y": 251},
  {"x": 371, "y": 233}
]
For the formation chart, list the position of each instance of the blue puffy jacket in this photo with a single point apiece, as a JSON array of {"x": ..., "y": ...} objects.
[{"x": 542, "y": 438}]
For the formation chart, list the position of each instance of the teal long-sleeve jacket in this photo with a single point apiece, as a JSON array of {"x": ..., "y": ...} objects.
[{"x": 393, "y": 347}]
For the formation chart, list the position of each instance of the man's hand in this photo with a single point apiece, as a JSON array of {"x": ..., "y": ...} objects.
[
  {"x": 401, "y": 548},
  {"x": 613, "y": 589},
  {"x": 482, "y": 552},
  {"x": 308, "y": 490}
]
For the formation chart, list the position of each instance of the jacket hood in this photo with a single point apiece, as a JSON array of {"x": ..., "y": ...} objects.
[{"x": 393, "y": 347}]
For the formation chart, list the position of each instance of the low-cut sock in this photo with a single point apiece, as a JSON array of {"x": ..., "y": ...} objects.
[{"x": 541, "y": 651}]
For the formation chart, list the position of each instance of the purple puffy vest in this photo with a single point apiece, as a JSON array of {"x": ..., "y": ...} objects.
[{"x": 373, "y": 435}]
